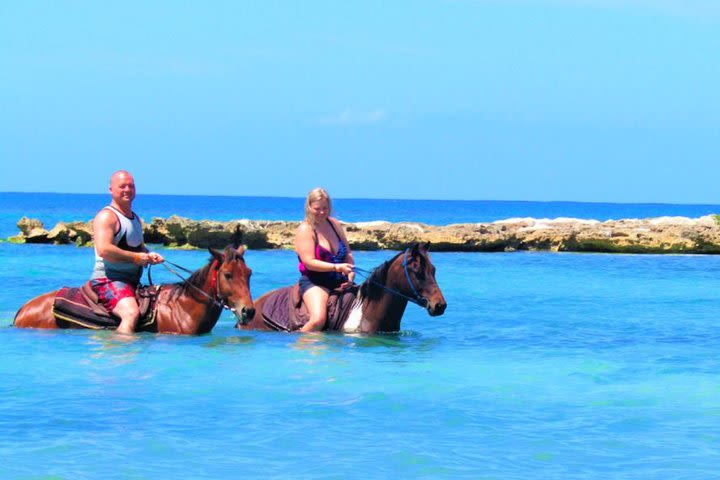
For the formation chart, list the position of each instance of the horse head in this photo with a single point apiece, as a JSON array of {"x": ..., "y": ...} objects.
[
  {"x": 419, "y": 273},
  {"x": 233, "y": 282}
]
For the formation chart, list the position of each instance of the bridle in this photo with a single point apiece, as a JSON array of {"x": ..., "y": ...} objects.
[
  {"x": 417, "y": 298},
  {"x": 216, "y": 299}
]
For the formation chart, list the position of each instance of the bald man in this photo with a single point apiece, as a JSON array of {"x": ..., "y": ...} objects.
[{"x": 120, "y": 253}]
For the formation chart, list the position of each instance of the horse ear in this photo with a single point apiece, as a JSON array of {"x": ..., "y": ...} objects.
[
  {"x": 216, "y": 253},
  {"x": 425, "y": 246},
  {"x": 240, "y": 250},
  {"x": 237, "y": 237}
]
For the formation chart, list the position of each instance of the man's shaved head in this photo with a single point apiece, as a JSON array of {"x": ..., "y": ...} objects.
[
  {"x": 122, "y": 187},
  {"x": 119, "y": 174}
]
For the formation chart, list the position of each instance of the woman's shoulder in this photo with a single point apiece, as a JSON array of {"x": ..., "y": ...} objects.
[
  {"x": 337, "y": 225},
  {"x": 304, "y": 228},
  {"x": 335, "y": 222}
]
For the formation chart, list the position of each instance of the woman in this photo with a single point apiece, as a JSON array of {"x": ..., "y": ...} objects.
[{"x": 326, "y": 262}]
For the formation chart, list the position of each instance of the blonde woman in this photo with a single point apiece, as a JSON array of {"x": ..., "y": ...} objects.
[{"x": 325, "y": 260}]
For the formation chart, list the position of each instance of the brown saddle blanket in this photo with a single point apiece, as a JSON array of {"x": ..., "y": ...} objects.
[
  {"x": 283, "y": 310},
  {"x": 80, "y": 308}
]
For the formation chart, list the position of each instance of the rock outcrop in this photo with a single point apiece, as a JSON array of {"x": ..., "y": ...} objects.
[{"x": 651, "y": 235}]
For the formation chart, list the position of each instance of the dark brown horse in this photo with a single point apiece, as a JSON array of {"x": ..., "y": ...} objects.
[
  {"x": 192, "y": 307},
  {"x": 381, "y": 300}
]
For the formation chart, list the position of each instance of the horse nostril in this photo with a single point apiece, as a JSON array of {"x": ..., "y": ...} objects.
[
  {"x": 249, "y": 313},
  {"x": 438, "y": 309}
]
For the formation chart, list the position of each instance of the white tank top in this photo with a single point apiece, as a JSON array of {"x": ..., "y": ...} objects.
[{"x": 128, "y": 237}]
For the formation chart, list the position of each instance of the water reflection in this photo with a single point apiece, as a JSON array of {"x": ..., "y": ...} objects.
[
  {"x": 123, "y": 349},
  {"x": 314, "y": 343},
  {"x": 232, "y": 340}
]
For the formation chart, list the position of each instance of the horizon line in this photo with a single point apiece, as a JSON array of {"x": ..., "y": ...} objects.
[{"x": 374, "y": 198}]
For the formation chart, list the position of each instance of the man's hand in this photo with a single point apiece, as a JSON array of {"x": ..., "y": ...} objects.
[
  {"x": 155, "y": 258},
  {"x": 148, "y": 258}
]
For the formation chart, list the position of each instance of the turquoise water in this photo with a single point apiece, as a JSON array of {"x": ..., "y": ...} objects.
[{"x": 544, "y": 365}]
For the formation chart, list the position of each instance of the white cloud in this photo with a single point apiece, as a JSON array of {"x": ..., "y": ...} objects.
[
  {"x": 350, "y": 117},
  {"x": 681, "y": 7},
  {"x": 675, "y": 7}
]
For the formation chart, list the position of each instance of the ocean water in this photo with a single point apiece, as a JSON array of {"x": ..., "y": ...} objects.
[
  {"x": 545, "y": 365},
  {"x": 52, "y": 207}
]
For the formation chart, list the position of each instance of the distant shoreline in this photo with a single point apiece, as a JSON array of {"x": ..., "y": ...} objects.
[
  {"x": 649, "y": 235},
  {"x": 53, "y": 208},
  {"x": 103, "y": 195}
]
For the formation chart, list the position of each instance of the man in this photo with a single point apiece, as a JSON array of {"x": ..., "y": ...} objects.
[{"x": 120, "y": 253}]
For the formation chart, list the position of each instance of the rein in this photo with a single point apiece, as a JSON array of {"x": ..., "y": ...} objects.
[
  {"x": 217, "y": 299},
  {"x": 417, "y": 299}
]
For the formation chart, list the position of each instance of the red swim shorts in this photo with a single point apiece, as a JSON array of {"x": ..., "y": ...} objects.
[{"x": 111, "y": 292}]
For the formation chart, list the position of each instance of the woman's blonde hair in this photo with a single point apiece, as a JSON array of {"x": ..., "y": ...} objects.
[{"x": 315, "y": 195}]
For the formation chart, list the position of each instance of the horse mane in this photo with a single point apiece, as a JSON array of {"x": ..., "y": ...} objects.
[
  {"x": 197, "y": 278},
  {"x": 371, "y": 286},
  {"x": 231, "y": 254}
]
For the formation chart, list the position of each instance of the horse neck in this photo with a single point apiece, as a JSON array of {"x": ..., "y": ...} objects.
[
  {"x": 193, "y": 312},
  {"x": 384, "y": 312}
]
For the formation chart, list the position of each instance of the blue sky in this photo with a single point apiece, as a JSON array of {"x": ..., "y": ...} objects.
[{"x": 585, "y": 100}]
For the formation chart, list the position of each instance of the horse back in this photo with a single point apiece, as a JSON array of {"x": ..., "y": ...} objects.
[
  {"x": 283, "y": 310},
  {"x": 79, "y": 307},
  {"x": 258, "y": 323},
  {"x": 37, "y": 313}
]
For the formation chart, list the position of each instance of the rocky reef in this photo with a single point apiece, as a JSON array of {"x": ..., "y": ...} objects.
[{"x": 650, "y": 235}]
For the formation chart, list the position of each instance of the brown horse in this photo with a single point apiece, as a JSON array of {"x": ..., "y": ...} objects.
[
  {"x": 192, "y": 307},
  {"x": 381, "y": 300}
]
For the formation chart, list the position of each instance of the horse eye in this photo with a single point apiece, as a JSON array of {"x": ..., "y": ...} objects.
[{"x": 228, "y": 275}]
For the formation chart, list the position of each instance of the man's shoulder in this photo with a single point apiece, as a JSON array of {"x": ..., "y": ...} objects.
[{"x": 105, "y": 216}]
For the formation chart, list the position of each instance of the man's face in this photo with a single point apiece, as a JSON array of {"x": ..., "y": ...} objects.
[{"x": 122, "y": 188}]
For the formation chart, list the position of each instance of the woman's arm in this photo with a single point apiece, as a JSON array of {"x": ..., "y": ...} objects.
[{"x": 305, "y": 249}]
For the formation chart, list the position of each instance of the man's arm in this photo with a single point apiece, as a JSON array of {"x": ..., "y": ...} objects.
[{"x": 104, "y": 227}]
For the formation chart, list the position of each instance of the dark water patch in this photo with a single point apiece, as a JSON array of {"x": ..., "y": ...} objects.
[{"x": 230, "y": 341}]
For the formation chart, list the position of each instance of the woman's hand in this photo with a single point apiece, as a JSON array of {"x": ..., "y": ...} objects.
[
  {"x": 349, "y": 283},
  {"x": 344, "y": 268}
]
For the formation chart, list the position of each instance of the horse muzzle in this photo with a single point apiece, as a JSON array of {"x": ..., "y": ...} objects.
[
  {"x": 435, "y": 309},
  {"x": 244, "y": 314}
]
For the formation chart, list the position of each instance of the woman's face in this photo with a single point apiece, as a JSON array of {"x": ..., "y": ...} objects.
[{"x": 319, "y": 209}]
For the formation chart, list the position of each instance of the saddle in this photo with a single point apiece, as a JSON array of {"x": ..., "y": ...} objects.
[
  {"x": 284, "y": 310},
  {"x": 80, "y": 307}
]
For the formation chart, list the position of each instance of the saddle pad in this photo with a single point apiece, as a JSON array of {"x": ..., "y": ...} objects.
[
  {"x": 339, "y": 306},
  {"x": 73, "y": 308},
  {"x": 283, "y": 310},
  {"x": 276, "y": 310},
  {"x": 80, "y": 307}
]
